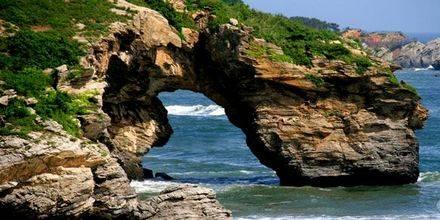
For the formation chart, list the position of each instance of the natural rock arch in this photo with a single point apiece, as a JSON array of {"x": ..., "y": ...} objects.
[
  {"x": 323, "y": 125},
  {"x": 351, "y": 129}
]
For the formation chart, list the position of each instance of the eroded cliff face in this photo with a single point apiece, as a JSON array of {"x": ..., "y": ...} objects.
[
  {"x": 338, "y": 127},
  {"x": 322, "y": 125},
  {"x": 51, "y": 174}
]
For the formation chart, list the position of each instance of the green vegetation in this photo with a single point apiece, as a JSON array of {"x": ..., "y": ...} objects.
[
  {"x": 362, "y": 63},
  {"x": 393, "y": 79},
  {"x": 44, "y": 40},
  {"x": 64, "y": 108},
  {"x": 58, "y": 106},
  {"x": 60, "y": 15},
  {"x": 299, "y": 42},
  {"x": 256, "y": 50},
  {"x": 20, "y": 119},
  {"x": 40, "y": 50},
  {"x": 318, "y": 81},
  {"x": 29, "y": 82},
  {"x": 316, "y": 23},
  {"x": 409, "y": 88}
]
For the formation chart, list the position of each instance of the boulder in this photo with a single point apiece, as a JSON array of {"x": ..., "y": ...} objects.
[
  {"x": 62, "y": 68},
  {"x": 4, "y": 100},
  {"x": 233, "y": 21},
  {"x": 163, "y": 176},
  {"x": 148, "y": 174},
  {"x": 436, "y": 64},
  {"x": 185, "y": 202}
]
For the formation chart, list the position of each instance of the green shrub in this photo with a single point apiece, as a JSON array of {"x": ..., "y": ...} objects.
[
  {"x": 58, "y": 106},
  {"x": 6, "y": 62},
  {"x": 393, "y": 79},
  {"x": 27, "y": 82},
  {"x": 318, "y": 81},
  {"x": 257, "y": 51},
  {"x": 24, "y": 55},
  {"x": 361, "y": 63},
  {"x": 316, "y": 23},
  {"x": 64, "y": 108},
  {"x": 42, "y": 50},
  {"x": 60, "y": 15},
  {"x": 409, "y": 88},
  {"x": 298, "y": 41},
  {"x": 20, "y": 119}
]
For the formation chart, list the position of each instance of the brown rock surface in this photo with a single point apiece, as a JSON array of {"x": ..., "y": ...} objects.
[
  {"x": 185, "y": 202},
  {"x": 301, "y": 130},
  {"x": 349, "y": 129},
  {"x": 54, "y": 175}
]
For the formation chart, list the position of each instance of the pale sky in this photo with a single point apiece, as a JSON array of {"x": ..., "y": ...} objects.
[{"x": 416, "y": 16}]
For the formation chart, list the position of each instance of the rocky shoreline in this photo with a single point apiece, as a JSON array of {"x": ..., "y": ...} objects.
[
  {"x": 324, "y": 125},
  {"x": 396, "y": 48}
]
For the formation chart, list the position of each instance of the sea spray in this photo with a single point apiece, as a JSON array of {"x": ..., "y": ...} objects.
[{"x": 195, "y": 110}]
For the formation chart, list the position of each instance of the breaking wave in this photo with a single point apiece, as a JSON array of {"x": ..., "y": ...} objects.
[
  {"x": 424, "y": 69},
  {"x": 151, "y": 186},
  {"x": 429, "y": 177},
  {"x": 195, "y": 110}
]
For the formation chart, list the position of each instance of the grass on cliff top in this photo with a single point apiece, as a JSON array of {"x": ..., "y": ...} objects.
[
  {"x": 300, "y": 43},
  {"x": 59, "y": 15},
  {"x": 402, "y": 84},
  {"x": 44, "y": 40},
  {"x": 52, "y": 104},
  {"x": 38, "y": 50}
]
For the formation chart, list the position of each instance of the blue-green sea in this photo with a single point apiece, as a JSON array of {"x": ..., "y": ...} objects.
[{"x": 207, "y": 149}]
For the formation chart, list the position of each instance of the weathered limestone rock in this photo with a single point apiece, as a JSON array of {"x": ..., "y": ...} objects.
[
  {"x": 349, "y": 129},
  {"x": 65, "y": 192},
  {"x": 49, "y": 174},
  {"x": 409, "y": 55},
  {"x": 178, "y": 5},
  {"x": 54, "y": 175},
  {"x": 395, "y": 47},
  {"x": 299, "y": 129},
  {"x": 185, "y": 202}
]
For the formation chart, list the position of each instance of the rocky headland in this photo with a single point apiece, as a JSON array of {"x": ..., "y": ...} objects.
[
  {"x": 396, "y": 48},
  {"x": 328, "y": 123}
]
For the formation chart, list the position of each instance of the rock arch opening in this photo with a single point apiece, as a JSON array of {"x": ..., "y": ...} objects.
[
  {"x": 350, "y": 129},
  {"x": 204, "y": 147}
]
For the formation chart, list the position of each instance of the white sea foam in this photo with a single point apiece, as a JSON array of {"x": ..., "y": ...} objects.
[
  {"x": 429, "y": 177},
  {"x": 195, "y": 110},
  {"x": 151, "y": 186},
  {"x": 424, "y": 69}
]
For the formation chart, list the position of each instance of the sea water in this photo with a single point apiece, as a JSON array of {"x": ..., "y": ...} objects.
[{"x": 207, "y": 149}]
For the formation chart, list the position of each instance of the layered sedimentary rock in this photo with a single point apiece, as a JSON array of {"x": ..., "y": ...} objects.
[
  {"x": 350, "y": 129},
  {"x": 321, "y": 125},
  {"x": 52, "y": 174}
]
